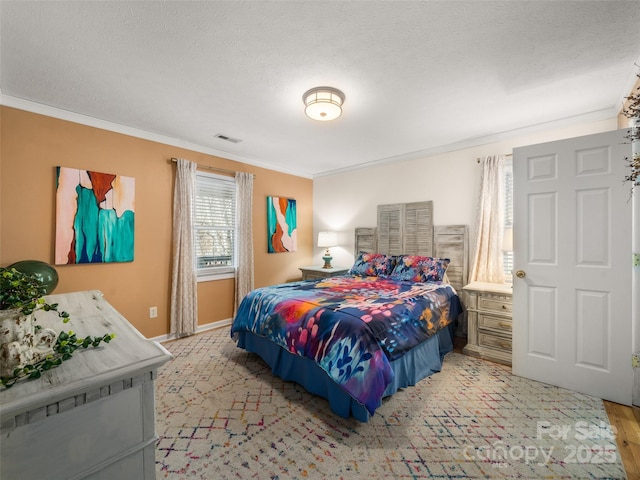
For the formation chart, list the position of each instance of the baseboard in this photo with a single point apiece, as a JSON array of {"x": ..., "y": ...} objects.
[{"x": 200, "y": 329}]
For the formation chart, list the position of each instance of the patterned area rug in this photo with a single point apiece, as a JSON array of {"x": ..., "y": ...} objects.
[{"x": 220, "y": 414}]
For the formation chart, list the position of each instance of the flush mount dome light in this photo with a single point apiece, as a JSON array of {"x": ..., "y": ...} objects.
[{"x": 323, "y": 103}]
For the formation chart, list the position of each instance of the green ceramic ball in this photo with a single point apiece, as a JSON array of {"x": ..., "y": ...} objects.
[{"x": 41, "y": 270}]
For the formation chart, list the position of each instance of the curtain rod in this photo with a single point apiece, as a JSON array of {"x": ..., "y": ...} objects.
[
  {"x": 208, "y": 167},
  {"x": 478, "y": 160}
]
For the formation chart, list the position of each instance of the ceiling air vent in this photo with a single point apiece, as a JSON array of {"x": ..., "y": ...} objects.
[{"x": 227, "y": 138}]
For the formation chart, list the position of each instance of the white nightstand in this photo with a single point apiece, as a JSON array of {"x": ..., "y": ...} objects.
[
  {"x": 313, "y": 273},
  {"x": 489, "y": 314}
]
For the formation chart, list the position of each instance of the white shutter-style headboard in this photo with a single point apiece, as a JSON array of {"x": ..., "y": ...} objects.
[
  {"x": 418, "y": 229},
  {"x": 366, "y": 240},
  {"x": 451, "y": 242},
  {"x": 407, "y": 228}
]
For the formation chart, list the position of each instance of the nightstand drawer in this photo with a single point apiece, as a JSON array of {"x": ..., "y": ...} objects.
[
  {"x": 315, "y": 273},
  {"x": 495, "y": 304},
  {"x": 489, "y": 310},
  {"x": 494, "y": 323},
  {"x": 494, "y": 341}
]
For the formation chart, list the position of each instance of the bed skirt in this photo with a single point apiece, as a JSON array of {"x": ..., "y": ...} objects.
[{"x": 420, "y": 362}]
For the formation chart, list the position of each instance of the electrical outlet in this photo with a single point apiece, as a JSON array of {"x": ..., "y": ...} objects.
[
  {"x": 153, "y": 312},
  {"x": 635, "y": 360}
]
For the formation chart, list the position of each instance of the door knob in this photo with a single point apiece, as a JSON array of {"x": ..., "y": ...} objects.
[{"x": 520, "y": 274}]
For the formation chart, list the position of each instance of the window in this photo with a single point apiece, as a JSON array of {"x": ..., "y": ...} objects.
[
  {"x": 508, "y": 217},
  {"x": 214, "y": 225}
]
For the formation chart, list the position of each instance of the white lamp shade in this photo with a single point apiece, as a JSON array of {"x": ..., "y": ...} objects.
[
  {"x": 507, "y": 240},
  {"x": 327, "y": 239},
  {"x": 323, "y": 103}
]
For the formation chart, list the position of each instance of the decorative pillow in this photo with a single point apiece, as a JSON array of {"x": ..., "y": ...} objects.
[
  {"x": 416, "y": 268},
  {"x": 372, "y": 265}
]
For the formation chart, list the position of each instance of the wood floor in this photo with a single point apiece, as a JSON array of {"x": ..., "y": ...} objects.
[{"x": 626, "y": 421}]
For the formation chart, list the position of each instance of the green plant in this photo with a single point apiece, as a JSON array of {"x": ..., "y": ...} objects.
[
  {"x": 66, "y": 344},
  {"x": 632, "y": 111},
  {"x": 632, "y": 108},
  {"x": 634, "y": 176},
  {"x": 25, "y": 293}
]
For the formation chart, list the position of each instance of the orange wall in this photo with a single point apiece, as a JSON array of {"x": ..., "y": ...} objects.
[{"x": 32, "y": 145}]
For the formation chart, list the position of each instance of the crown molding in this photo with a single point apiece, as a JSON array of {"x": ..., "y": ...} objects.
[
  {"x": 61, "y": 114},
  {"x": 46, "y": 110},
  {"x": 604, "y": 114}
]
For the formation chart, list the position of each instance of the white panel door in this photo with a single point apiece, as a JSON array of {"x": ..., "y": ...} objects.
[{"x": 572, "y": 265}]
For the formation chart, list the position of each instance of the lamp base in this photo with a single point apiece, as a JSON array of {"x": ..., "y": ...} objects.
[{"x": 327, "y": 261}]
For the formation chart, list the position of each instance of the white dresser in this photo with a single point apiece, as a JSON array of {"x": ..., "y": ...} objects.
[
  {"x": 93, "y": 416},
  {"x": 489, "y": 315}
]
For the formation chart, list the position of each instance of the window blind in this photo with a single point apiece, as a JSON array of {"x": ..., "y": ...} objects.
[
  {"x": 508, "y": 216},
  {"x": 214, "y": 222}
]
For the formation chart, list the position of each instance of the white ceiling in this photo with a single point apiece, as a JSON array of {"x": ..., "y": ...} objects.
[{"x": 419, "y": 76}]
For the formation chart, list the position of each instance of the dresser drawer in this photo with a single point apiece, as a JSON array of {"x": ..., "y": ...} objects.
[
  {"x": 495, "y": 304},
  {"x": 494, "y": 341},
  {"x": 502, "y": 324},
  {"x": 84, "y": 438}
]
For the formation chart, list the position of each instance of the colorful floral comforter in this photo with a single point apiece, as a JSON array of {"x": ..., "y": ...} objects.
[{"x": 353, "y": 327}]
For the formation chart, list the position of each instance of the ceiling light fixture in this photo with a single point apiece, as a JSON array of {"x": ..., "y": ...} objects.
[{"x": 323, "y": 103}]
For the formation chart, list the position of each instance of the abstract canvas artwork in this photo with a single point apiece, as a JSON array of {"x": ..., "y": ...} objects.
[
  {"x": 95, "y": 215},
  {"x": 282, "y": 228}
]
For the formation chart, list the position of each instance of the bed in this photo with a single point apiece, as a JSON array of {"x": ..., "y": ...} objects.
[{"x": 358, "y": 338}]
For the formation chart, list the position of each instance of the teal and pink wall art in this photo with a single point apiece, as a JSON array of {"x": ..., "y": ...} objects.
[
  {"x": 282, "y": 227},
  {"x": 95, "y": 215}
]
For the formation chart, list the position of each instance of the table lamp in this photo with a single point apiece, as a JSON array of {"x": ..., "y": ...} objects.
[{"x": 326, "y": 240}]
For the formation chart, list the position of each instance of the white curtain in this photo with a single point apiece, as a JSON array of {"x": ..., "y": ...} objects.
[
  {"x": 244, "y": 202},
  {"x": 184, "y": 285},
  {"x": 488, "y": 260}
]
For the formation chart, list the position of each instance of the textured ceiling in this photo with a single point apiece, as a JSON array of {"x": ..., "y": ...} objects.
[{"x": 419, "y": 77}]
